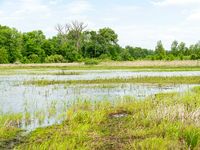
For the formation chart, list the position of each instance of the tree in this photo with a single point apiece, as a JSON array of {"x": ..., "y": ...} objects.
[
  {"x": 138, "y": 52},
  {"x": 11, "y": 40},
  {"x": 72, "y": 33},
  {"x": 197, "y": 50},
  {"x": 91, "y": 45},
  {"x": 160, "y": 51},
  {"x": 181, "y": 48},
  {"x": 102, "y": 42},
  {"x": 107, "y": 39},
  {"x": 108, "y": 35},
  {"x": 3, "y": 56},
  {"x": 174, "y": 48},
  {"x": 32, "y": 46}
]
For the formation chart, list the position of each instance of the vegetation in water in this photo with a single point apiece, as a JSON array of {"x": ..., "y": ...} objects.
[
  {"x": 163, "y": 121},
  {"x": 152, "y": 80}
]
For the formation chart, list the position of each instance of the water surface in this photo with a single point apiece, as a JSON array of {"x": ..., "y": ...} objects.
[{"x": 47, "y": 104}]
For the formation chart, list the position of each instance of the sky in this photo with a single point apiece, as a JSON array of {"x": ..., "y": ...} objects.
[{"x": 137, "y": 22}]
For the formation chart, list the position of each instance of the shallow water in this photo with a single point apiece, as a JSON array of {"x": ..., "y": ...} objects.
[{"x": 47, "y": 104}]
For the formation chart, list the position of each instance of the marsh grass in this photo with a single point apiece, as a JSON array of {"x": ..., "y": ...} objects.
[
  {"x": 163, "y": 121},
  {"x": 9, "y": 129},
  {"x": 152, "y": 80}
]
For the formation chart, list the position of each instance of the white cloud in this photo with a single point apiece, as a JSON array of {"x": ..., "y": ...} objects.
[
  {"x": 54, "y": 2},
  {"x": 137, "y": 25},
  {"x": 79, "y": 7},
  {"x": 175, "y": 2},
  {"x": 194, "y": 16}
]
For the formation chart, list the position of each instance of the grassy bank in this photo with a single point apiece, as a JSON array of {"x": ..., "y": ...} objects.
[
  {"x": 164, "y": 121},
  {"x": 182, "y": 65},
  {"x": 152, "y": 80}
]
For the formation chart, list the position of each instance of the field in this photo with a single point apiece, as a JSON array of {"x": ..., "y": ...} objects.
[{"x": 112, "y": 106}]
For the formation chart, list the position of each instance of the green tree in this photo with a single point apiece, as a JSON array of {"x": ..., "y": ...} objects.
[
  {"x": 107, "y": 39},
  {"x": 3, "y": 56},
  {"x": 160, "y": 51},
  {"x": 32, "y": 46},
  {"x": 139, "y": 53},
  {"x": 11, "y": 39},
  {"x": 181, "y": 49},
  {"x": 174, "y": 48}
]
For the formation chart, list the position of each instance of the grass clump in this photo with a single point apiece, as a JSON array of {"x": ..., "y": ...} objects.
[{"x": 9, "y": 130}]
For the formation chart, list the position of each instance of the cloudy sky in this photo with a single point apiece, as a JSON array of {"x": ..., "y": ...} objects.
[{"x": 137, "y": 22}]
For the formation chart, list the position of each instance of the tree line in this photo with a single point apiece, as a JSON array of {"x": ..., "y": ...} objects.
[{"x": 74, "y": 42}]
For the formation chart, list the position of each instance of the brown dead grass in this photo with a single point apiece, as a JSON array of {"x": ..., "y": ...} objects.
[{"x": 185, "y": 63}]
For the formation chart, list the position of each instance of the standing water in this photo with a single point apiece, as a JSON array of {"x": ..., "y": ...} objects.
[{"x": 47, "y": 104}]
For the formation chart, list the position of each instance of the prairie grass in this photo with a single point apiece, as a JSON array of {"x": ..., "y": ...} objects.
[{"x": 163, "y": 121}]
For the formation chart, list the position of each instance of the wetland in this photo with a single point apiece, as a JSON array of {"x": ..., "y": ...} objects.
[{"x": 91, "y": 108}]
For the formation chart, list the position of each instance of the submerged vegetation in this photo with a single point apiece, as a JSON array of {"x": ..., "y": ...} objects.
[
  {"x": 162, "y": 121},
  {"x": 153, "y": 80}
]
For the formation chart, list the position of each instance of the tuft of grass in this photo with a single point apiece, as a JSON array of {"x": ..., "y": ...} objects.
[
  {"x": 191, "y": 136},
  {"x": 9, "y": 130}
]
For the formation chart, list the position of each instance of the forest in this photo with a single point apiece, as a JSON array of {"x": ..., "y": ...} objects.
[{"x": 74, "y": 43}]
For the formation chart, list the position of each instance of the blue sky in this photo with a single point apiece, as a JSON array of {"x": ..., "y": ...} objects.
[{"x": 137, "y": 22}]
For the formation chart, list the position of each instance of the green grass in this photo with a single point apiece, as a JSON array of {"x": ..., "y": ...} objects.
[
  {"x": 152, "y": 80},
  {"x": 164, "y": 121},
  {"x": 9, "y": 129}
]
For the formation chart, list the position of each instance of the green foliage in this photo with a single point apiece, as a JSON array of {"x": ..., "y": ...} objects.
[
  {"x": 77, "y": 44},
  {"x": 91, "y": 62},
  {"x": 54, "y": 59},
  {"x": 34, "y": 58},
  {"x": 170, "y": 57},
  {"x": 32, "y": 46},
  {"x": 104, "y": 57},
  {"x": 193, "y": 57},
  {"x": 11, "y": 40},
  {"x": 125, "y": 55},
  {"x": 160, "y": 51},
  {"x": 3, "y": 56}
]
